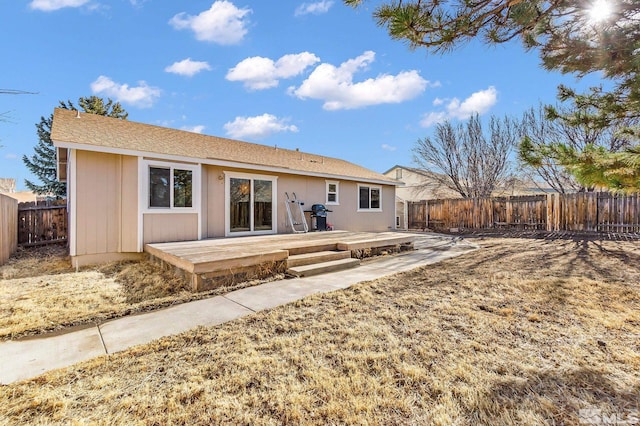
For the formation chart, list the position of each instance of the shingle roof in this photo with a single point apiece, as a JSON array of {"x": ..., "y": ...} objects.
[{"x": 105, "y": 133}]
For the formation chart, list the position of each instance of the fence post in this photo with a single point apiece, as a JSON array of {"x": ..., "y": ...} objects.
[
  {"x": 426, "y": 213},
  {"x": 549, "y": 212},
  {"x": 8, "y": 227}
]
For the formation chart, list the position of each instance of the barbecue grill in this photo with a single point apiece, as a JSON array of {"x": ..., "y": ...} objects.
[{"x": 319, "y": 213}]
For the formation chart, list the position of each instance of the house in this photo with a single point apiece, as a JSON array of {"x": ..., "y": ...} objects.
[
  {"x": 130, "y": 184},
  {"x": 8, "y": 187},
  {"x": 416, "y": 185}
]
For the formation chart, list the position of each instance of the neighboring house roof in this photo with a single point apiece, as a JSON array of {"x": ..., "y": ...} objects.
[
  {"x": 73, "y": 129},
  {"x": 411, "y": 169},
  {"x": 419, "y": 184}
]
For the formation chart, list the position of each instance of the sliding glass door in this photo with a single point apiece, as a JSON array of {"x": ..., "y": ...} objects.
[
  {"x": 240, "y": 205},
  {"x": 250, "y": 204}
]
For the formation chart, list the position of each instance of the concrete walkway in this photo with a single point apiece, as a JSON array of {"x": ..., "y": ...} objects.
[{"x": 28, "y": 358}]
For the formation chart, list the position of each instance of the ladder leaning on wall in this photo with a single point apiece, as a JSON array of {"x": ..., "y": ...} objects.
[{"x": 299, "y": 225}]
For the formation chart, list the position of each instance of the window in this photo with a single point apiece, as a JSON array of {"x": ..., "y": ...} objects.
[
  {"x": 369, "y": 198},
  {"x": 398, "y": 173},
  {"x": 161, "y": 182},
  {"x": 332, "y": 192}
]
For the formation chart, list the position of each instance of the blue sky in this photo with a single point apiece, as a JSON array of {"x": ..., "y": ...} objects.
[{"x": 314, "y": 75}]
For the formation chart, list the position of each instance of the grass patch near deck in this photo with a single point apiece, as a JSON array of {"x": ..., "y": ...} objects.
[
  {"x": 523, "y": 331},
  {"x": 41, "y": 293}
]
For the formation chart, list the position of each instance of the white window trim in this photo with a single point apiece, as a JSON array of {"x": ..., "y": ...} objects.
[
  {"x": 337, "y": 184},
  {"x": 369, "y": 210},
  {"x": 72, "y": 174},
  {"x": 195, "y": 190},
  {"x": 227, "y": 213}
]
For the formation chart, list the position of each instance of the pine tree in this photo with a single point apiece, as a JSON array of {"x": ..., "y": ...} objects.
[
  {"x": 572, "y": 36},
  {"x": 43, "y": 162},
  {"x": 554, "y": 138}
]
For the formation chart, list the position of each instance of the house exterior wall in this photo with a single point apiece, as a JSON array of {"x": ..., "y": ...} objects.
[
  {"x": 160, "y": 228},
  {"x": 105, "y": 206},
  {"x": 111, "y": 217},
  {"x": 311, "y": 190}
]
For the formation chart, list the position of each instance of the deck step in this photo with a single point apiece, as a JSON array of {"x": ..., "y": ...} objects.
[
  {"x": 379, "y": 241},
  {"x": 310, "y": 247},
  {"x": 322, "y": 268},
  {"x": 316, "y": 257}
]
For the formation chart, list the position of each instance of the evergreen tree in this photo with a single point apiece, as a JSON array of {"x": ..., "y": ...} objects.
[
  {"x": 43, "y": 162},
  {"x": 555, "y": 137},
  {"x": 596, "y": 167},
  {"x": 572, "y": 36}
]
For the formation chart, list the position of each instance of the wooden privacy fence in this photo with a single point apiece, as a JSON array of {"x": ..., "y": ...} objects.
[
  {"x": 8, "y": 227},
  {"x": 586, "y": 211},
  {"x": 42, "y": 222},
  {"x": 417, "y": 214}
]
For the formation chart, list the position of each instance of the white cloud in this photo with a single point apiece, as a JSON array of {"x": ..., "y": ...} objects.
[
  {"x": 51, "y": 5},
  {"x": 258, "y": 127},
  {"x": 316, "y": 8},
  {"x": 142, "y": 96},
  {"x": 335, "y": 86},
  {"x": 194, "y": 129},
  {"x": 478, "y": 103},
  {"x": 387, "y": 147},
  {"x": 188, "y": 67},
  {"x": 223, "y": 23},
  {"x": 10, "y": 156},
  {"x": 259, "y": 73}
]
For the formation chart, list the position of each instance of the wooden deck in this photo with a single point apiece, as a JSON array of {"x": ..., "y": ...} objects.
[{"x": 214, "y": 262}]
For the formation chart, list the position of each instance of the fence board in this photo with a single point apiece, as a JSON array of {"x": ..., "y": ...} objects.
[
  {"x": 8, "y": 227},
  {"x": 417, "y": 218},
  {"x": 584, "y": 212},
  {"x": 42, "y": 222}
]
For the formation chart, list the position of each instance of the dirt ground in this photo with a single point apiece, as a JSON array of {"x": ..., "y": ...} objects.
[{"x": 523, "y": 331}]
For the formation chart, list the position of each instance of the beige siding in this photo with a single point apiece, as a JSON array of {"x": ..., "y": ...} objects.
[
  {"x": 106, "y": 203},
  {"x": 312, "y": 190},
  {"x": 204, "y": 191},
  {"x": 348, "y": 217},
  {"x": 215, "y": 202},
  {"x": 8, "y": 227},
  {"x": 129, "y": 190},
  {"x": 159, "y": 227}
]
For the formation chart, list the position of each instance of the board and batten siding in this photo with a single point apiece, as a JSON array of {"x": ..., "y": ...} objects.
[
  {"x": 106, "y": 204},
  {"x": 8, "y": 227}
]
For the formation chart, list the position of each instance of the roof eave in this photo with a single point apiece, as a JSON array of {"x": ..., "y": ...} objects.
[{"x": 215, "y": 162}]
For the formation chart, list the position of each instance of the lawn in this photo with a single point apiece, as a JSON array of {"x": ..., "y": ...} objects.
[
  {"x": 523, "y": 331},
  {"x": 40, "y": 292}
]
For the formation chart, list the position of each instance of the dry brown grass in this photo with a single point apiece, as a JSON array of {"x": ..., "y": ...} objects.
[
  {"x": 521, "y": 332},
  {"x": 40, "y": 292}
]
